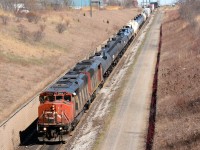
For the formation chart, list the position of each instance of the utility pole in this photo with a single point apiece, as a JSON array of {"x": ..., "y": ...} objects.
[
  {"x": 90, "y": 8},
  {"x": 95, "y": 2}
]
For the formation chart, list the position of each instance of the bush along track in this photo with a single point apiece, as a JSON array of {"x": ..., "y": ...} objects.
[{"x": 152, "y": 113}]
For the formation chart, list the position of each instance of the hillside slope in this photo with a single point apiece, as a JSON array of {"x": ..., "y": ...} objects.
[
  {"x": 27, "y": 66},
  {"x": 178, "y": 97}
]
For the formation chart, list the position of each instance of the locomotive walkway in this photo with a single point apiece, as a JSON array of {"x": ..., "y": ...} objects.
[{"x": 129, "y": 124}]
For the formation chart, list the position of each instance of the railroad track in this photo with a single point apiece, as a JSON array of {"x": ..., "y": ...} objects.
[{"x": 59, "y": 146}]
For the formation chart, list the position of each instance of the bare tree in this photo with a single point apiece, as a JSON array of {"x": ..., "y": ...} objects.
[
  {"x": 114, "y": 2},
  {"x": 31, "y": 5},
  {"x": 7, "y": 4},
  {"x": 128, "y": 3},
  {"x": 189, "y": 10},
  {"x": 4, "y": 19}
]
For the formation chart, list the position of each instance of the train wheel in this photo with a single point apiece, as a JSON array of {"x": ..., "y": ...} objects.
[{"x": 87, "y": 105}]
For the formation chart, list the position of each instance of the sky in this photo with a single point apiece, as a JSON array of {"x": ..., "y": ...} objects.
[{"x": 162, "y": 2}]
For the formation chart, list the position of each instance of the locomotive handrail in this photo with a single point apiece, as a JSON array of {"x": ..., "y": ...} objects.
[{"x": 65, "y": 116}]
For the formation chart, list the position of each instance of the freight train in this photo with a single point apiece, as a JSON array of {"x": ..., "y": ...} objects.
[{"x": 64, "y": 102}]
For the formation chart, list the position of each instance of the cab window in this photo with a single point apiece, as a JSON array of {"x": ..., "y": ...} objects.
[
  {"x": 42, "y": 99},
  {"x": 47, "y": 98},
  {"x": 59, "y": 97},
  {"x": 67, "y": 98},
  {"x": 51, "y": 98}
]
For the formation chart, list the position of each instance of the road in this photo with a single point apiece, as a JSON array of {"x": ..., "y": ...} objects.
[{"x": 129, "y": 125}]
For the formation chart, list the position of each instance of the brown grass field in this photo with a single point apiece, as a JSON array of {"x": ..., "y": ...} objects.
[
  {"x": 26, "y": 66},
  {"x": 178, "y": 97}
]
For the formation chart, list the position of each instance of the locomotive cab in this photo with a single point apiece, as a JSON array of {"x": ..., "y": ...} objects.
[
  {"x": 55, "y": 114},
  {"x": 51, "y": 97}
]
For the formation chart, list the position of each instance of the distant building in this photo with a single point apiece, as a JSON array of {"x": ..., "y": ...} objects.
[
  {"x": 77, "y": 4},
  {"x": 156, "y": 5},
  {"x": 80, "y": 3},
  {"x": 84, "y": 3}
]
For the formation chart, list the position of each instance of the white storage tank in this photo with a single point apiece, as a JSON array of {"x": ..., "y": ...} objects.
[
  {"x": 147, "y": 11},
  {"x": 152, "y": 7},
  {"x": 134, "y": 25}
]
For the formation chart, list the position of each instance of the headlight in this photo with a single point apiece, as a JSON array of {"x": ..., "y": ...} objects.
[
  {"x": 60, "y": 128},
  {"x": 44, "y": 129},
  {"x": 53, "y": 107}
]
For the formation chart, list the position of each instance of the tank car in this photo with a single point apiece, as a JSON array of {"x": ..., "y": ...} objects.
[
  {"x": 139, "y": 19},
  {"x": 147, "y": 11},
  {"x": 113, "y": 50},
  {"x": 132, "y": 23},
  {"x": 144, "y": 15}
]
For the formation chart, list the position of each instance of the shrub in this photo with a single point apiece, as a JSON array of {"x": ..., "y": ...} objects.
[
  {"x": 4, "y": 19},
  {"x": 61, "y": 27},
  {"x": 37, "y": 36},
  {"x": 189, "y": 11},
  {"x": 42, "y": 27},
  {"x": 23, "y": 32},
  {"x": 17, "y": 19},
  {"x": 67, "y": 22},
  {"x": 44, "y": 19},
  {"x": 61, "y": 17},
  {"x": 33, "y": 17}
]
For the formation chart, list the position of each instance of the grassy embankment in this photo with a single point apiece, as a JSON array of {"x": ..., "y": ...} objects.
[
  {"x": 178, "y": 97},
  {"x": 33, "y": 52}
]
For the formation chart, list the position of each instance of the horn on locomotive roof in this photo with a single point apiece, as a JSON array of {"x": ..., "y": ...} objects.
[{"x": 104, "y": 55}]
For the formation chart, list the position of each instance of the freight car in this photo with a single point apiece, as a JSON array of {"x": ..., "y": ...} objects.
[
  {"x": 64, "y": 102},
  {"x": 147, "y": 11},
  {"x": 140, "y": 20}
]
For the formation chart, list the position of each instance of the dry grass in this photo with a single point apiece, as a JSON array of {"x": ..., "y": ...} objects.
[
  {"x": 178, "y": 104},
  {"x": 27, "y": 67}
]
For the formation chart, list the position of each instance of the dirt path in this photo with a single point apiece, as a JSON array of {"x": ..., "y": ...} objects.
[{"x": 128, "y": 127}]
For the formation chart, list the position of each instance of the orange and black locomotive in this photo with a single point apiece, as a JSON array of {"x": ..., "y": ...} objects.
[{"x": 64, "y": 102}]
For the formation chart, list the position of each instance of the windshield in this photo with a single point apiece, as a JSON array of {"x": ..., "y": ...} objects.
[
  {"x": 67, "y": 98},
  {"x": 52, "y": 98},
  {"x": 59, "y": 97}
]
